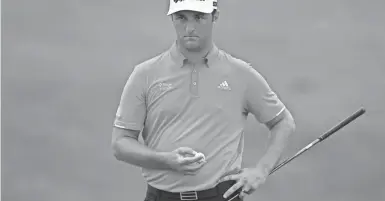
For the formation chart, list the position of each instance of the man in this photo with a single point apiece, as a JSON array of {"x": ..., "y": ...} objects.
[{"x": 193, "y": 98}]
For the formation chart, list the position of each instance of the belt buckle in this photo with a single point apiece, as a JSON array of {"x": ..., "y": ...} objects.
[{"x": 189, "y": 195}]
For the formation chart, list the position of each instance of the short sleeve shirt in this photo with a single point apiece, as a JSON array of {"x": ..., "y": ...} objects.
[{"x": 204, "y": 106}]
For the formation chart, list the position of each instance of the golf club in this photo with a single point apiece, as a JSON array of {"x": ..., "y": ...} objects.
[{"x": 321, "y": 138}]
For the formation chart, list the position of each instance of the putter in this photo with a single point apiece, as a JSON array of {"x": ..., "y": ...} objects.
[{"x": 321, "y": 138}]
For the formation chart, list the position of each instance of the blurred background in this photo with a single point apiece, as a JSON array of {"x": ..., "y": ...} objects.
[{"x": 65, "y": 62}]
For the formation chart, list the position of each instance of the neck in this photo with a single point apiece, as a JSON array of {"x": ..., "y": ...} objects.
[{"x": 195, "y": 56}]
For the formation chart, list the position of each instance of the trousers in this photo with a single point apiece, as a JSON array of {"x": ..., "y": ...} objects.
[{"x": 213, "y": 194}]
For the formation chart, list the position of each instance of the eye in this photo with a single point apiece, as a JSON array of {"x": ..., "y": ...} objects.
[
  {"x": 179, "y": 17},
  {"x": 199, "y": 17}
]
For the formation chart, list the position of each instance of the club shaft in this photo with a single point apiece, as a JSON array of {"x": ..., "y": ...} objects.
[
  {"x": 322, "y": 137},
  {"x": 295, "y": 156},
  {"x": 327, "y": 134}
]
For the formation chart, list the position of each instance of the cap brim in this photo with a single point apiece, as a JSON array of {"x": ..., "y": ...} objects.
[{"x": 172, "y": 11}]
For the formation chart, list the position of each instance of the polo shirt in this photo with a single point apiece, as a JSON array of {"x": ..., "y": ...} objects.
[{"x": 205, "y": 106}]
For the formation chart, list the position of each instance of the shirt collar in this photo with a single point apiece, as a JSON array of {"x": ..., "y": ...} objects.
[{"x": 180, "y": 60}]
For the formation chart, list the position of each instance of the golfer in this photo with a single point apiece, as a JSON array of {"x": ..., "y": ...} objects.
[{"x": 195, "y": 98}]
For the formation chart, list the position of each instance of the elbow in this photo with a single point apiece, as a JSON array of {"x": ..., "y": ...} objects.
[
  {"x": 116, "y": 150},
  {"x": 292, "y": 126},
  {"x": 122, "y": 141},
  {"x": 290, "y": 123}
]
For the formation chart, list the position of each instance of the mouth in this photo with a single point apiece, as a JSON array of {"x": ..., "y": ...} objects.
[{"x": 191, "y": 38}]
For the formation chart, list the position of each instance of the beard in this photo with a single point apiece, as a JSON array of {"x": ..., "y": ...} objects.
[
  {"x": 193, "y": 45},
  {"x": 192, "y": 48}
]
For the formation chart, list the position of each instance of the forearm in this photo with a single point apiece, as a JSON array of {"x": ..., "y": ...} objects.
[
  {"x": 131, "y": 151},
  {"x": 278, "y": 140}
]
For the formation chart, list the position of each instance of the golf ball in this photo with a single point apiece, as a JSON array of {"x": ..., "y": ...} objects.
[{"x": 201, "y": 155}]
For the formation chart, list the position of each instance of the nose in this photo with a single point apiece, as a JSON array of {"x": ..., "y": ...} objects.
[{"x": 190, "y": 28}]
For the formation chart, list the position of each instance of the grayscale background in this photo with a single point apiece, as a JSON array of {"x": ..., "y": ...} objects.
[{"x": 64, "y": 64}]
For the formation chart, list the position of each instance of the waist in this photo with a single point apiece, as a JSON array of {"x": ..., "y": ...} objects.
[
  {"x": 216, "y": 191},
  {"x": 207, "y": 177}
]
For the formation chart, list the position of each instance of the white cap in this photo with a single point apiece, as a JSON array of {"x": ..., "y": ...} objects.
[{"x": 203, "y": 6}]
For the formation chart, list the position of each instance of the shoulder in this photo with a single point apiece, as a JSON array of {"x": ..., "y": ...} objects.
[
  {"x": 145, "y": 67},
  {"x": 248, "y": 72},
  {"x": 236, "y": 63}
]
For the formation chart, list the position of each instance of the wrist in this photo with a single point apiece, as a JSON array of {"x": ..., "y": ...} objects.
[
  {"x": 264, "y": 168},
  {"x": 163, "y": 158}
]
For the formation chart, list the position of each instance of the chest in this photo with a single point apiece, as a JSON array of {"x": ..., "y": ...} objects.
[{"x": 196, "y": 91}]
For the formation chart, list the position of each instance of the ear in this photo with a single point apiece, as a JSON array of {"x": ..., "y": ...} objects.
[{"x": 216, "y": 16}]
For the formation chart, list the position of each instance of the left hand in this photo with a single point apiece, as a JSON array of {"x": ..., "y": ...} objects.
[{"x": 249, "y": 179}]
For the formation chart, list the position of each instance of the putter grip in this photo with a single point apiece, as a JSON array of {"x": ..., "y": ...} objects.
[{"x": 343, "y": 123}]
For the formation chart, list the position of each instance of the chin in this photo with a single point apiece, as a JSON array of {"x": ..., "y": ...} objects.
[{"x": 192, "y": 46}]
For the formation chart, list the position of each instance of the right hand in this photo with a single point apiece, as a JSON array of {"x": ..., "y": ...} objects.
[{"x": 184, "y": 160}]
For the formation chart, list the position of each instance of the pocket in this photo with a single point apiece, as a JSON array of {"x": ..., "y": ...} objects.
[
  {"x": 234, "y": 196},
  {"x": 150, "y": 197},
  {"x": 237, "y": 198}
]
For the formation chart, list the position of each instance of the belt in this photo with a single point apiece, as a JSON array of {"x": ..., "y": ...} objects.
[{"x": 218, "y": 190}]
